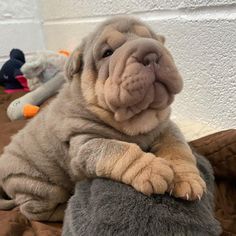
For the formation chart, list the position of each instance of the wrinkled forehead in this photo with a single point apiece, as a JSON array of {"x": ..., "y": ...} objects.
[
  {"x": 112, "y": 34},
  {"x": 118, "y": 32}
]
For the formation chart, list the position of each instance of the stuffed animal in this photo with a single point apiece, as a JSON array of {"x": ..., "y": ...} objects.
[
  {"x": 43, "y": 67},
  {"x": 45, "y": 76},
  {"x": 10, "y": 75}
]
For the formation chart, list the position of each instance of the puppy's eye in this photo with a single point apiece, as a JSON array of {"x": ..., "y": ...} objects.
[{"x": 107, "y": 53}]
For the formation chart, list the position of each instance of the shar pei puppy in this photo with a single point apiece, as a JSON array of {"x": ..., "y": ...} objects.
[{"x": 110, "y": 120}]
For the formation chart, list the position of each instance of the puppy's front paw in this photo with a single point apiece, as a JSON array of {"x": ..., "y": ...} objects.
[
  {"x": 154, "y": 176},
  {"x": 188, "y": 186}
]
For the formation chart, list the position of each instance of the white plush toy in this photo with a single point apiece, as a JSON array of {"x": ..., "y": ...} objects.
[{"x": 45, "y": 75}]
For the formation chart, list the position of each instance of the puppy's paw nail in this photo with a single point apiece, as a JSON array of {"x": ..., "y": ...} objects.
[
  {"x": 170, "y": 193},
  {"x": 187, "y": 196},
  {"x": 199, "y": 197}
]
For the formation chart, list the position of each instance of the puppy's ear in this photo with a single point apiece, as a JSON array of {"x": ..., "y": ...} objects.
[
  {"x": 161, "y": 38},
  {"x": 73, "y": 64}
]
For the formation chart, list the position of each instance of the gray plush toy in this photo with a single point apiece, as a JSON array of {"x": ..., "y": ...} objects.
[{"x": 45, "y": 75}]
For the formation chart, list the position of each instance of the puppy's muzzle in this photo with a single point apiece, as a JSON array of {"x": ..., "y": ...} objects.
[
  {"x": 142, "y": 74},
  {"x": 133, "y": 66}
]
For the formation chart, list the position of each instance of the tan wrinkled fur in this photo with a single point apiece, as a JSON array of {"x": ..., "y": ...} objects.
[{"x": 85, "y": 132}]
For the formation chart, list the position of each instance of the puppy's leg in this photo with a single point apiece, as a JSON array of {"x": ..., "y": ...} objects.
[
  {"x": 120, "y": 161},
  {"x": 187, "y": 183},
  {"x": 37, "y": 199},
  {"x": 43, "y": 210}
]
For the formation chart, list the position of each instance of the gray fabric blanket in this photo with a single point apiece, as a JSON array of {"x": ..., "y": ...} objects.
[{"x": 102, "y": 207}]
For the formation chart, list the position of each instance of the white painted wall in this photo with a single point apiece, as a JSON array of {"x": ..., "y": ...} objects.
[{"x": 20, "y": 27}]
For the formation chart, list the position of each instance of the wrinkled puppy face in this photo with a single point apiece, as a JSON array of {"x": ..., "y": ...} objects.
[{"x": 128, "y": 73}]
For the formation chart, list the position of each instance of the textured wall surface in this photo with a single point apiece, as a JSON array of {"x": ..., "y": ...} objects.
[
  {"x": 20, "y": 27},
  {"x": 200, "y": 33}
]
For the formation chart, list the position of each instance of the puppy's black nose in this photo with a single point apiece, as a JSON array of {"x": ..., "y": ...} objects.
[{"x": 149, "y": 59}]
